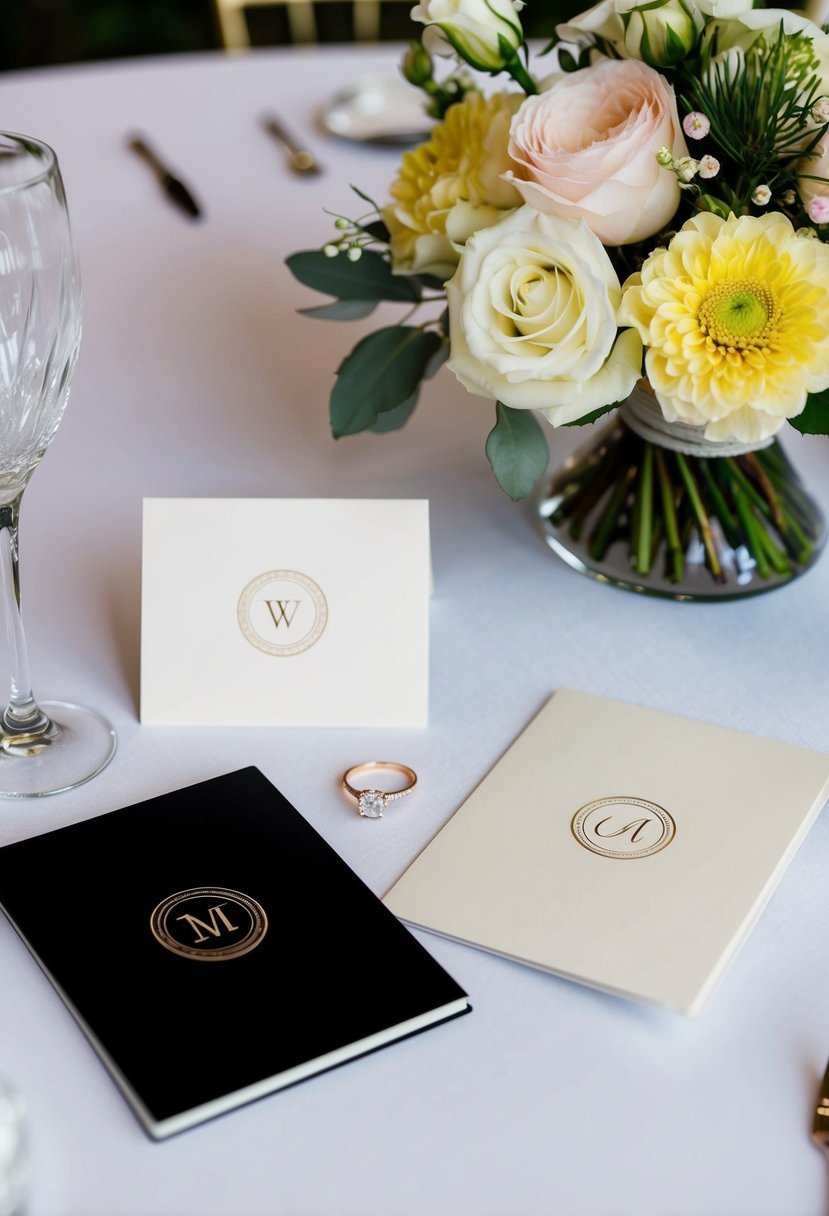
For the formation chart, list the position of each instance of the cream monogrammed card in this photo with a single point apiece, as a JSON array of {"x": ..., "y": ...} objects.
[
  {"x": 628, "y": 849},
  {"x": 285, "y": 612}
]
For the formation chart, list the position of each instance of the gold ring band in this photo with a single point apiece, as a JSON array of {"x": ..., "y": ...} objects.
[{"x": 370, "y": 802}]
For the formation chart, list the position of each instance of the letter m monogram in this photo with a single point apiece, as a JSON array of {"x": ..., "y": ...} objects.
[
  {"x": 201, "y": 928},
  {"x": 283, "y": 611}
]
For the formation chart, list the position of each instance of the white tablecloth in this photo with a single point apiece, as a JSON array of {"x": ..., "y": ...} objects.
[{"x": 198, "y": 378}]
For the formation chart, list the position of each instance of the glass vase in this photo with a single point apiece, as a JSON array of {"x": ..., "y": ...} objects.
[{"x": 629, "y": 511}]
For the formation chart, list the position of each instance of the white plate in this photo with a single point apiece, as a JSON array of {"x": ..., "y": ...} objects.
[{"x": 378, "y": 110}]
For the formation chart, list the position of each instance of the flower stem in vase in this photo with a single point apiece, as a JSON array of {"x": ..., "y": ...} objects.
[
  {"x": 642, "y": 529},
  {"x": 797, "y": 503},
  {"x": 799, "y": 544},
  {"x": 646, "y": 517},
  {"x": 794, "y": 540},
  {"x": 755, "y": 470},
  {"x": 774, "y": 553},
  {"x": 701, "y": 516},
  {"x": 751, "y": 529},
  {"x": 720, "y": 506},
  {"x": 604, "y": 531},
  {"x": 676, "y": 560},
  {"x": 593, "y": 478}
]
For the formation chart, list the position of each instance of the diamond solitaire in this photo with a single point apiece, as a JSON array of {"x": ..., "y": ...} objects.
[{"x": 372, "y": 803}]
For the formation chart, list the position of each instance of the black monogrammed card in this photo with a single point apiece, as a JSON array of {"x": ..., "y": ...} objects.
[{"x": 214, "y": 948}]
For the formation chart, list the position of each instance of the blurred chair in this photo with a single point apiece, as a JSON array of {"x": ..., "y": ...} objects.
[{"x": 232, "y": 20}]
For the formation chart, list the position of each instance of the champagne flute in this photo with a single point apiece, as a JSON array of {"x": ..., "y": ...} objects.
[{"x": 52, "y": 746}]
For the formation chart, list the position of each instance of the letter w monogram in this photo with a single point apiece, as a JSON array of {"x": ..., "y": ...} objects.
[
  {"x": 638, "y": 825},
  {"x": 213, "y": 928},
  {"x": 283, "y": 610}
]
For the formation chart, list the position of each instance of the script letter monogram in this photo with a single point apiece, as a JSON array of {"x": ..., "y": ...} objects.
[{"x": 638, "y": 825}]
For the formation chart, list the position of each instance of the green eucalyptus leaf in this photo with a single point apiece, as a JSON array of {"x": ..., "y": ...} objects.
[
  {"x": 370, "y": 278},
  {"x": 341, "y": 310},
  {"x": 393, "y": 420},
  {"x": 517, "y": 450},
  {"x": 814, "y": 420},
  {"x": 382, "y": 372},
  {"x": 594, "y": 414},
  {"x": 437, "y": 361}
]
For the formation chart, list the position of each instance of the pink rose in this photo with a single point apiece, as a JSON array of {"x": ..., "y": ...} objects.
[{"x": 586, "y": 149}]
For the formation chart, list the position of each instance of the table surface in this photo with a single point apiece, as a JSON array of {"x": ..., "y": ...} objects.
[{"x": 198, "y": 378}]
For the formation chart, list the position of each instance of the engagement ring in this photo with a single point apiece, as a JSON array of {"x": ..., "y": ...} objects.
[{"x": 372, "y": 803}]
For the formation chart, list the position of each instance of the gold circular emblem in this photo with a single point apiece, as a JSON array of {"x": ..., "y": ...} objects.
[
  {"x": 623, "y": 827},
  {"x": 282, "y": 612},
  {"x": 209, "y": 923}
]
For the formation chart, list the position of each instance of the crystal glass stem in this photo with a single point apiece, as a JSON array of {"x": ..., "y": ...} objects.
[
  {"x": 14, "y": 1155},
  {"x": 22, "y": 719}
]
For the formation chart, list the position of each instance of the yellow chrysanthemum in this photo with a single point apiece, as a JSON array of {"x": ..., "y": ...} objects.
[
  {"x": 451, "y": 186},
  {"x": 735, "y": 318}
]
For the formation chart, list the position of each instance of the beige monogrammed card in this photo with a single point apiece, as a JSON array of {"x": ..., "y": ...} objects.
[
  {"x": 285, "y": 612},
  {"x": 621, "y": 847}
]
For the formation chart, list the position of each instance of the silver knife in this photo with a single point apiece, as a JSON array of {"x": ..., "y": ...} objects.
[{"x": 175, "y": 189}]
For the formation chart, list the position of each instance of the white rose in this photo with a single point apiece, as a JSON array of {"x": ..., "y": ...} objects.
[
  {"x": 532, "y": 315},
  {"x": 601, "y": 21},
  {"x": 586, "y": 149},
  {"x": 486, "y": 33}
]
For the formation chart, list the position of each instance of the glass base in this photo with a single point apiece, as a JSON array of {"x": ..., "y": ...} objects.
[
  {"x": 645, "y": 519},
  {"x": 14, "y": 1156},
  {"x": 81, "y": 745}
]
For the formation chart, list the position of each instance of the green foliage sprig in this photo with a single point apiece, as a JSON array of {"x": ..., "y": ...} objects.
[
  {"x": 378, "y": 383},
  {"x": 759, "y": 104}
]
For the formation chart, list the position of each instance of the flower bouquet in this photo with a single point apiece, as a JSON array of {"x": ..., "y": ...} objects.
[{"x": 637, "y": 226}]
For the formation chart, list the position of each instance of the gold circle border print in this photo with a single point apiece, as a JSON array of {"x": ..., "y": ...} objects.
[
  {"x": 623, "y": 827},
  {"x": 211, "y": 924},
  {"x": 282, "y": 612}
]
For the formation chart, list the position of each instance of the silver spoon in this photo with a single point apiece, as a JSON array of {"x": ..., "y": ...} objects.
[{"x": 300, "y": 160}]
